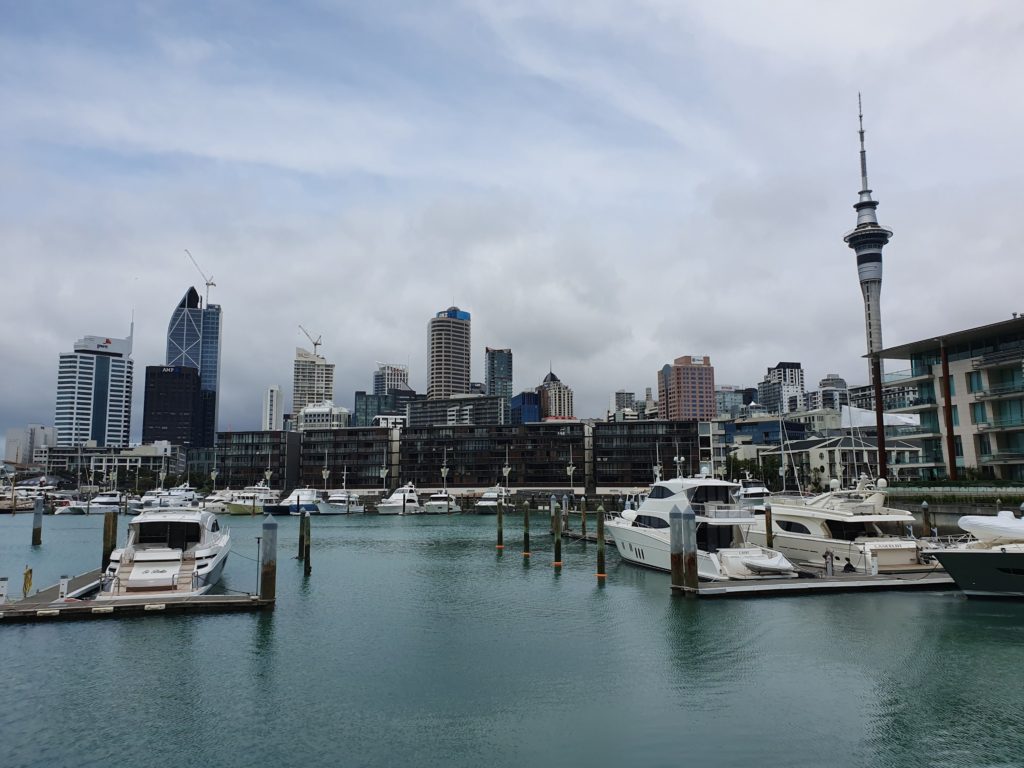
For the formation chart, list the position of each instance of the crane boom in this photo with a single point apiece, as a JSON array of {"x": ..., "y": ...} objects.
[
  {"x": 207, "y": 280},
  {"x": 315, "y": 342}
]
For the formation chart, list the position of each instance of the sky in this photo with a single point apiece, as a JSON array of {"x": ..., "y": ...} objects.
[{"x": 605, "y": 186}]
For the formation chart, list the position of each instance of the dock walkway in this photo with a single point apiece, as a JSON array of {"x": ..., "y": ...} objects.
[{"x": 847, "y": 582}]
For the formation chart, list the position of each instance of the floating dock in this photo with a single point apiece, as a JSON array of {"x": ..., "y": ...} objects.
[
  {"x": 47, "y": 605},
  {"x": 847, "y": 582}
]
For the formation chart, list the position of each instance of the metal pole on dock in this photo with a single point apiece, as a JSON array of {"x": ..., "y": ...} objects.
[
  {"x": 600, "y": 544},
  {"x": 526, "y": 530},
  {"x": 565, "y": 513},
  {"x": 557, "y": 563},
  {"x": 302, "y": 538},
  {"x": 769, "y": 527},
  {"x": 690, "y": 550},
  {"x": 307, "y": 563},
  {"x": 37, "y": 523},
  {"x": 109, "y": 537},
  {"x": 268, "y": 560},
  {"x": 675, "y": 539},
  {"x": 501, "y": 522},
  {"x": 551, "y": 510}
]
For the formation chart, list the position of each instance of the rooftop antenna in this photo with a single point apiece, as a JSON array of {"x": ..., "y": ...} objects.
[
  {"x": 315, "y": 342},
  {"x": 208, "y": 280},
  {"x": 863, "y": 152}
]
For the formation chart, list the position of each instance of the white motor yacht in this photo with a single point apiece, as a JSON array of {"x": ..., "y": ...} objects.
[
  {"x": 341, "y": 502},
  {"x": 178, "y": 551},
  {"x": 752, "y": 494},
  {"x": 853, "y": 524},
  {"x": 297, "y": 503},
  {"x": 642, "y": 535},
  {"x": 403, "y": 501},
  {"x": 251, "y": 499},
  {"x": 183, "y": 495},
  {"x": 488, "y": 502},
  {"x": 441, "y": 503},
  {"x": 992, "y": 564},
  {"x": 101, "y": 502}
]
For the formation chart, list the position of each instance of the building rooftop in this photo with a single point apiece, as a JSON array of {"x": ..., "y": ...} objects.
[{"x": 1011, "y": 328}]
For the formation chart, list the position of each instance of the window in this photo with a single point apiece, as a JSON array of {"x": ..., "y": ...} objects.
[
  {"x": 973, "y": 381},
  {"x": 660, "y": 492},
  {"x": 793, "y": 527},
  {"x": 978, "y": 413}
]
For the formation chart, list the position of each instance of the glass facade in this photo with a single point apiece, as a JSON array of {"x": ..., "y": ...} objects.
[{"x": 193, "y": 341}]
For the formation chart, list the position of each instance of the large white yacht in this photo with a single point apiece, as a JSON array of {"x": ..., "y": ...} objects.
[
  {"x": 852, "y": 524},
  {"x": 642, "y": 535},
  {"x": 176, "y": 551},
  {"x": 251, "y": 499},
  {"x": 180, "y": 496},
  {"x": 403, "y": 501},
  {"x": 341, "y": 501},
  {"x": 752, "y": 494},
  {"x": 992, "y": 564},
  {"x": 441, "y": 503},
  {"x": 298, "y": 502},
  {"x": 488, "y": 502}
]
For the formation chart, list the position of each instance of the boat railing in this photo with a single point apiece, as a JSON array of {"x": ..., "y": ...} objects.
[{"x": 714, "y": 510}]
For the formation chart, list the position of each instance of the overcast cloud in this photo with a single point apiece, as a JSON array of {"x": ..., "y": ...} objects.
[{"x": 604, "y": 186}]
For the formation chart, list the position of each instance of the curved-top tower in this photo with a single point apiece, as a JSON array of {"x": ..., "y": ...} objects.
[{"x": 867, "y": 241}]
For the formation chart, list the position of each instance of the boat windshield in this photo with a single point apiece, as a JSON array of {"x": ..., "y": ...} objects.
[
  {"x": 716, "y": 494},
  {"x": 852, "y": 530},
  {"x": 167, "y": 533}
]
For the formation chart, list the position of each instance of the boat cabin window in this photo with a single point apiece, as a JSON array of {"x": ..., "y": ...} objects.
[
  {"x": 716, "y": 494},
  {"x": 850, "y": 531},
  {"x": 215, "y": 527},
  {"x": 174, "y": 535},
  {"x": 792, "y": 526},
  {"x": 649, "y": 521},
  {"x": 711, "y": 538},
  {"x": 660, "y": 492}
]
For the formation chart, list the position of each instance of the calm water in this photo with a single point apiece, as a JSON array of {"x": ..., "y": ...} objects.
[{"x": 413, "y": 643}]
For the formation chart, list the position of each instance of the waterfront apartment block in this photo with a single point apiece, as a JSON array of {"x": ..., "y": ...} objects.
[
  {"x": 970, "y": 387},
  {"x": 498, "y": 375},
  {"x": 353, "y": 458},
  {"x": 95, "y": 465},
  {"x": 245, "y": 458},
  {"x": 686, "y": 389},
  {"x": 780, "y": 386},
  {"x": 448, "y": 354},
  {"x": 814, "y": 462},
  {"x": 94, "y": 392},
  {"x": 481, "y": 410},
  {"x": 312, "y": 379}
]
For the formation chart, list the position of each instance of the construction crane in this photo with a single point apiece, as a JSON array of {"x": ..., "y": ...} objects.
[
  {"x": 315, "y": 342},
  {"x": 209, "y": 280}
]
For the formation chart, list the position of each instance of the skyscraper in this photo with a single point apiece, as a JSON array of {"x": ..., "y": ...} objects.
[
  {"x": 784, "y": 381},
  {"x": 556, "y": 398},
  {"x": 272, "y": 419},
  {"x": 867, "y": 240},
  {"x": 498, "y": 375},
  {"x": 390, "y": 376},
  {"x": 172, "y": 409},
  {"x": 193, "y": 341},
  {"x": 686, "y": 389},
  {"x": 312, "y": 381},
  {"x": 94, "y": 392},
  {"x": 448, "y": 353}
]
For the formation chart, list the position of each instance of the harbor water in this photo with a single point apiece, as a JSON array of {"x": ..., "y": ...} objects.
[{"x": 415, "y": 643}]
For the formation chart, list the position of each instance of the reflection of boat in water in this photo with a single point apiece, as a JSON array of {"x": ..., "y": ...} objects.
[
  {"x": 852, "y": 524},
  {"x": 403, "y": 501},
  {"x": 642, "y": 535},
  {"x": 177, "y": 551},
  {"x": 992, "y": 565}
]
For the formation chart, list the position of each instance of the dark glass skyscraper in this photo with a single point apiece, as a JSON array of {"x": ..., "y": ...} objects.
[
  {"x": 173, "y": 406},
  {"x": 193, "y": 341},
  {"x": 498, "y": 375}
]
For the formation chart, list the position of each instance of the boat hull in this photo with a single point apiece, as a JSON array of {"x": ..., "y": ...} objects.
[
  {"x": 895, "y": 555},
  {"x": 652, "y": 549},
  {"x": 339, "y": 509},
  {"x": 985, "y": 573}
]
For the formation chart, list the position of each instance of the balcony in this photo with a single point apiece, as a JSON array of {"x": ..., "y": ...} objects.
[
  {"x": 1002, "y": 457},
  {"x": 1014, "y": 423},
  {"x": 929, "y": 459},
  {"x": 1006, "y": 356},
  {"x": 905, "y": 377},
  {"x": 1006, "y": 390},
  {"x": 917, "y": 404},
  {"x": 914, "y": 433}
]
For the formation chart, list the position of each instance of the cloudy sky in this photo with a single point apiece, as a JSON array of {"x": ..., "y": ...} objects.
[{"x": 604, "y": 185}]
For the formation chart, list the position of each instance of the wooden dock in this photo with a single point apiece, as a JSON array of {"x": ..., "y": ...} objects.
[
  {"x": 46, "y": 605},
  {"x": 849, "y": 582}
]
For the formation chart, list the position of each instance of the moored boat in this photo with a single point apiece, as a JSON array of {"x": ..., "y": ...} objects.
[
  {"x": 992, "y": 564},
  {"x": 403, "y": 501}
]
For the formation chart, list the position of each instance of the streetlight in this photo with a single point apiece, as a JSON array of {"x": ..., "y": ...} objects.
[
  {"x": 325, "y": 473},
  {"x": 569, "y": 470},
  {"x": 213, "y": 477},
  {"x": 383, "y": 479}
]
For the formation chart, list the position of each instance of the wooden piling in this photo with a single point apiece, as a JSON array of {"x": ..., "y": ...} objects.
[
  {"x": 268, "y": 560},
  {"x": 551, "y": 512},
  {"x": 565, "y": 513},
  {"x": 526, "y": 530},
  {"x": 769, "y": 528},
  {"x": 302, "y": 538},
  {"x": 109, "y": 537},
  {"x": 501, "y": 534},
  {"x": 583, "y": 519},
  {"x": 690, "y": 577},
  {"x": 600, "y": 544},
  {"x": 675, "y": 548},
  {"x": 307, "y": 563},
  {"x": 557, "y": 562},
  {"x": 37, "y": 523}
]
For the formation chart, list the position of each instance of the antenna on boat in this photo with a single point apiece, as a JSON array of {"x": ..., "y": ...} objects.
[{"x": 207, "y": 280}]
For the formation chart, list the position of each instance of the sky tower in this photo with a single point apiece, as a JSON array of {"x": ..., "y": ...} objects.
[{"x": 867, "y": 241}]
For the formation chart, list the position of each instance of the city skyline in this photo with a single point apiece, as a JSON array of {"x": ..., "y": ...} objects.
[{"x": 412, "y": 188}]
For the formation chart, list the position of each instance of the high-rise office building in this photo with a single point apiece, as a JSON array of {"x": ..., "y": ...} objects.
[
  {"x": 94, "y": 392},
  {"x": 728, "y": 400},
  {"x": 389, "y": 376},
  {"x": 448, "y": 354},
  {"x": 867, "y": 240},
  {"x": 686, "y": 389},
  {"x": 312, "y": 381},
  {"x": 782, "y": 387},
  {"x": 498, "y": 376},
  {"x": 272, "y": 418},
  {"x": 22, "y": 442},
  {"x": 193, "y": 341},
  {"x": 556, "y": 398},
  {"x": 173, "y": 409}
]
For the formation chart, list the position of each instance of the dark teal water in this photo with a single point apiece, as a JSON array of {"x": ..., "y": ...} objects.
[{"x": 414, "y": 643}]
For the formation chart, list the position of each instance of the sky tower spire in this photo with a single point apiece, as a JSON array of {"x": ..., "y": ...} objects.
[{"x": 867, "y": 240}]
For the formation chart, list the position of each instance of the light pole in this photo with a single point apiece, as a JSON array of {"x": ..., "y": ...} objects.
[
  {"x": 325, "y": 473},
  {"x": 569, "y": 470},
  {"x": 213, "y": 477},
  {"x": 383, "y": 479}
]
